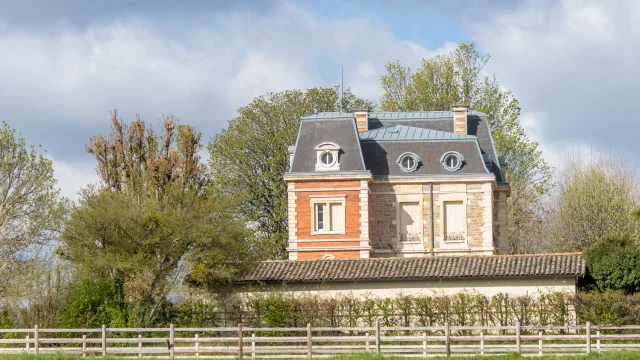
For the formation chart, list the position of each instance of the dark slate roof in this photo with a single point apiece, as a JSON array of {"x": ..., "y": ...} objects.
[
  {"x": 380, "y": 157},
  {"x": 405, "y": 133},
  {"x": 442, "y": 121},
  {"x": 341, "y": 131},
  {"x": 425, "y": 268}
]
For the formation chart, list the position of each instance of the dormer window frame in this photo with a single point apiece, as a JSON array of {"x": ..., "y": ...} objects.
[
  {"x": 328, "y": 156},
  {"x": 452, "y": 160},
  {"x": 408, "y": 162}
]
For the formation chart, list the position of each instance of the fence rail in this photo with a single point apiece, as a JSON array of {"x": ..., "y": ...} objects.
[{"x": 321, "y": 342}]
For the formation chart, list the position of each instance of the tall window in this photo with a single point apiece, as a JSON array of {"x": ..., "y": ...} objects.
[
  {"x": 328, "y": 216},
  {"x": 454, "y": 221},
  {"x": 410, "y": 224}
]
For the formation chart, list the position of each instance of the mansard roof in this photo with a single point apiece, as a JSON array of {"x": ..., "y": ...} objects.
[
  {"x": 427, "y": 133},
  {"x": 419, "y": 268}
]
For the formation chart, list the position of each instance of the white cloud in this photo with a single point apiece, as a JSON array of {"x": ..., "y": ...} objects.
[
  {"x": 72, "y": 176},
  {"x": 574, "y": 67},
  {"x": 59, "y": 85}
]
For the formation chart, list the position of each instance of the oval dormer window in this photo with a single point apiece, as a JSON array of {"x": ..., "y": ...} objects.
[
  {"x": 327, "y": 159},
  {"x": 408, "y": 162},
  {"x": 452, "y": 161}
]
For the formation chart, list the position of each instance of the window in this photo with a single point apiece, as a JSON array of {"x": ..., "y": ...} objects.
[
  {"x": 327, "y": 156},
  {"x": 410, "y": 224},
  {"x": 327, "y": 159},
  {"x": 328, "y": 257},
  {"x": 454, "y": 221},
  {"x": 328, "y": 215},
  {"x": 408, "y": 162},
  {"x": 452, "y": 160}
]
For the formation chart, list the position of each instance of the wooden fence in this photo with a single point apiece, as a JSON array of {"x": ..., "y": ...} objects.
[{"x": 307, "y": 342}]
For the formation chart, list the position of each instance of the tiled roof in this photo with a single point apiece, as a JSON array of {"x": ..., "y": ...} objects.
[
  {"x": 425, "y": 268},
  {"x": 403, "y": 133}
]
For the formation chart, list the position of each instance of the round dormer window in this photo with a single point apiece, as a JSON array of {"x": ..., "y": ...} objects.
[
  {"x": 408, "y": 162},
  {"x": 327, "y": 159},
  {"x": 452, "y": 161}
]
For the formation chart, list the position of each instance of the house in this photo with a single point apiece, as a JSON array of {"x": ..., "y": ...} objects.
[{"x": 403, "y": 202}]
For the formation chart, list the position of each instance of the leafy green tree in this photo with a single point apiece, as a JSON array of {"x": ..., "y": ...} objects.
[
  {"x": 152, "y": 220},
  {"x": 30, "y": 208},
  {"x": 454, "y": 78},
  {"x": 594, "y": 201},
  {"x": 614, "y": 264},
  {"x": 249, "y": 158}
]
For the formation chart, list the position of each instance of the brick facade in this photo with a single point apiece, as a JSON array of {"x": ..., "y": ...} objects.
[{"x": 306, "y": 245}]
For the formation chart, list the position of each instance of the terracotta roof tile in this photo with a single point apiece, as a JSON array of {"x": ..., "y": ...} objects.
[{"x": 571, "y": 264}]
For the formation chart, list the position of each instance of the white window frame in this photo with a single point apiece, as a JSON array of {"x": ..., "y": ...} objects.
[
  {"x": 327, "y": 201},
  {"x": 420, "y": 221},
  {"x": 331, "y": 148}
]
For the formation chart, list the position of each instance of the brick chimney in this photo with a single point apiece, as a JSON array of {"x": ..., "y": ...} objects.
[
  {"x": 362, "y": 119},
  {"x": 460, "y": 119}
]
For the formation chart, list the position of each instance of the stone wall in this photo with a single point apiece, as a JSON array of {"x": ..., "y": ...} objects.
[{"x": 479, "y": 205}]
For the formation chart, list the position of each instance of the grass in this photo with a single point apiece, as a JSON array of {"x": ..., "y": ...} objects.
[{"x": 620, "y": 355}]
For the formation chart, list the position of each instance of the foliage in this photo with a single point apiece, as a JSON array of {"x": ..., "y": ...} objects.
[
  {"x": 454, "y": 78},
  {"x": 462, "y": 309},
  {"x": 36, "y": 292},
  {"x": 595, "y": 201},
  {"x": 250, "y": 157},
  {"x": 614, "y": 264},
  {"x": 30, "y": 208},
  {"x": 152, "y": 221}
]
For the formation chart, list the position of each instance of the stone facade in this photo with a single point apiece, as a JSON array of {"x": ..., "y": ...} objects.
[{"x": 484, "y": 213}]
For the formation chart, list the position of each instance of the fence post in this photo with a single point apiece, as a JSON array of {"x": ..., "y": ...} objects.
[
  {"x": 253, "y": 346},
  {"x": 424, "y": 344},
  {"x": 378, "y": 336},
  {"x": 104, "y": 340},
  {"x": 309, "y": 345},
  {"x": 171, "y": 342},
  {"x": 139, "y": 345},
  {"x": 240, "y": 342},
  {"x": 482, "y": 343},
  {"x": 588, "y": 337},
  {"x": 447, "y": 341},
  {"x": 26, "y": 344},
  {"x": 518, "y": 347},
  {"x": 36, "y": 340},
  {"x": 366, "y": 344},
  {"x": 84, "y": 345},
  {"x": 540, "y": 343},
  {"x": 598, "y": 341}
]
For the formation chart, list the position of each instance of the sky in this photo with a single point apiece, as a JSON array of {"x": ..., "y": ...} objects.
[{"x": 65, "y": 64}]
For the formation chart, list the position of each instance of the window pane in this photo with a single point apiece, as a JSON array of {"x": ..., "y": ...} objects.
[
  {"x": 337, "y": 217},
  {"x": 320, "y": 217},
  {"x": 410, "y": 224},
  {"x": 454, "y": 220},
  {"x": 327, "y": 158}
]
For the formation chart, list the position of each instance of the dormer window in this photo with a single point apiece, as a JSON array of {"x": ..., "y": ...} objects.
[
  {"x": 408, "y": 162},
  {"x": 452, "y": 161},
  {"x": 327, "y": 157}
]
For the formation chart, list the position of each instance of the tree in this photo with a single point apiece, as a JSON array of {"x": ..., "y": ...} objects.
[
  {"x": 30, "y": 208},
  {"x": 250, "y": 157},
  {"x": 594, "y": 201},
  {"x": 152, "y": 220},
  {"x": 614, "y": 264},
  {"x": 454, "y": 78}
]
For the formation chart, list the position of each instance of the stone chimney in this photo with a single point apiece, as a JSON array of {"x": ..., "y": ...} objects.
[
  {"x": 362, "y": 119},
  {"x": 460, "y": 119}
]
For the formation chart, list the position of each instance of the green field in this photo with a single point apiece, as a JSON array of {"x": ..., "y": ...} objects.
[{"x": 622, "y": 355}]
